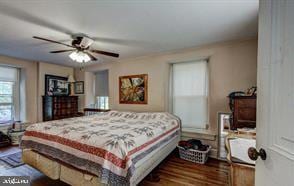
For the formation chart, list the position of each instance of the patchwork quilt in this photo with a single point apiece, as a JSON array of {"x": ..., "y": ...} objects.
[{"x": 108, "y": 145}]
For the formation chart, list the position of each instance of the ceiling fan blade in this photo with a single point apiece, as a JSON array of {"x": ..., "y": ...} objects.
[
  {"x": 60, "y": 51},
  {"x": 105, "y": 53},
  {"x": 49, "y": 40},
  {"x": 93, "y": 58}
]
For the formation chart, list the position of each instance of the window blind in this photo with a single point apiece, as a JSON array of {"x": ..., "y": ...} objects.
[
  {"x": 8, "y": 74},
  {"x": 190, "y": 92}
]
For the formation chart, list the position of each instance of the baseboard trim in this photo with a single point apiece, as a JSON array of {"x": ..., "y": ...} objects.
[
  {"x": 199, "y": 133},
  {"x": 213, "y": 153}
]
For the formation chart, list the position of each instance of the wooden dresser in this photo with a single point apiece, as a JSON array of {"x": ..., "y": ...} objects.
[
  {"x": 243, "y": 112},
  {"x": 59, "y": 107}
]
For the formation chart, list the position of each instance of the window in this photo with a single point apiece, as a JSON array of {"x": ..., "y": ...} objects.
[
  {"x": 190, "y": 93},
  {"x": 9, "y": 94},
  {"x": 101, "y": 89},
  {"x": 102, "y": 102}
]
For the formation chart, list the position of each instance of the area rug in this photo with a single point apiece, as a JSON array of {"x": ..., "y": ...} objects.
[{"x": 11, "y": 160}]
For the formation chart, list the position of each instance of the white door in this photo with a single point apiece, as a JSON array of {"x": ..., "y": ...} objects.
[{"x": 275, "y": 99}]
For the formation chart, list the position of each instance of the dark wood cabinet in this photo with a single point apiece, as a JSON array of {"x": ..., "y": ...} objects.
[
  {"x": 59, "y": 107},
  {"x": 243, "y": 112}
]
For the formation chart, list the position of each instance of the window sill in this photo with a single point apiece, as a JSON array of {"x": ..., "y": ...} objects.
[
  {"x": 4, "y": 127},
  {"x": 199, "y": 133},
  {"x": 5, "y": 124}
]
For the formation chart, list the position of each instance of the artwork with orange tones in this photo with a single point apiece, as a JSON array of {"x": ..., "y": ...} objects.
[{"x": 133, "y": 89}]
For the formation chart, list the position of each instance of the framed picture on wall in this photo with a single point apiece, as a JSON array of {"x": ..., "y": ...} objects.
[
  {"x": 133, "y": 89},
  {"x": 79, "y": 87},
  {"x": 56, "y": 85}
]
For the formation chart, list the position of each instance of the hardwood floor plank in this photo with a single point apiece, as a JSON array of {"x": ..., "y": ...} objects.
[
  {"x": 196, "y": 174},
  {"x": 208, "y": 168},
  {"x": 175, "y": 171},
  {"x": 191, "y": 177}
]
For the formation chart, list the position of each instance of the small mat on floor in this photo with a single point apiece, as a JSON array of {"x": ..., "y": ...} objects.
[{"x": 11, "y": 160}]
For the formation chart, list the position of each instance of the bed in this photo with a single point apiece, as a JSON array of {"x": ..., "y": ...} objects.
[{"x": 112, "y": 148}]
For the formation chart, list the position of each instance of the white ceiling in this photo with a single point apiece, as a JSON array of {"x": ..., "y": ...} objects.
[{"x": 130, "y": 28}]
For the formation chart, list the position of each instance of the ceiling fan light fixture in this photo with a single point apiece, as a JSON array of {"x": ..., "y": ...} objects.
[
  {"x": 80, "y": 49},
  {"x": 80, "y": 57}
]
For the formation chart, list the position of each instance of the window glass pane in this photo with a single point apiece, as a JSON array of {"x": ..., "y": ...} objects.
[
  {"x": 189, "y": 85},
  {"x": 102, "y": 102},
  {"x": 9, "y": 94},
  {"x": 106, "y": 103},
  {"x": 5, "y": 99},
  {"x": 5, "y": 113},
  {"x": 6, "y": 88}
]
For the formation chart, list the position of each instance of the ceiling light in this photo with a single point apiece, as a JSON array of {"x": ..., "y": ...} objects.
[{"x": 80, "y": 57}]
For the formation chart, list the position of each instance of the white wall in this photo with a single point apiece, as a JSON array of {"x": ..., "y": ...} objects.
[
  {"x": 46, "y": 68},
  {"x": 89, "y": 88},
  {"x": 80, "y": 76},
  {"x": 232, "y": 66}
]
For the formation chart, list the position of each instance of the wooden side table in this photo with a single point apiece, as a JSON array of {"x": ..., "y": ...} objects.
[{"x": 241, "y": 174}]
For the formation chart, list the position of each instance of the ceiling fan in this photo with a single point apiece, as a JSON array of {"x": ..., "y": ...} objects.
[{"x": 80, "y": 49}]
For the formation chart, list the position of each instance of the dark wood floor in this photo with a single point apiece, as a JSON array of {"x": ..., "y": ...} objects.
[
  {"x": 172, "y": 171},
  {"x": 175, "y": 171}
]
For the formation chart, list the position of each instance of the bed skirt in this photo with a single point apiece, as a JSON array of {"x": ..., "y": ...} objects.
[{"x": 57, "y": 170}]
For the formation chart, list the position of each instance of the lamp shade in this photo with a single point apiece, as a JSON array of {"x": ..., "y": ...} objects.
[
  {"x": 80, "y": 57},
  {"x": 70, "y": 79}
]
